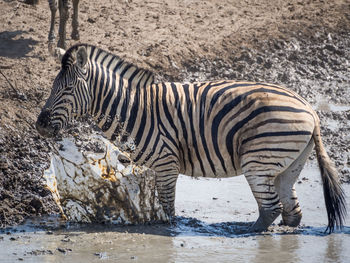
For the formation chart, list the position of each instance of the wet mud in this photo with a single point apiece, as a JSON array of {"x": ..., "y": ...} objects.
[{"x": 210, "y": 226}]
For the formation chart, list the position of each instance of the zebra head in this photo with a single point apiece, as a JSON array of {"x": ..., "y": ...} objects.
[{"x": 69, "y": 96}]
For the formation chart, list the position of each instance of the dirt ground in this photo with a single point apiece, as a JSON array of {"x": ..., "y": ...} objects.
[{"x": 304, "y": 45}]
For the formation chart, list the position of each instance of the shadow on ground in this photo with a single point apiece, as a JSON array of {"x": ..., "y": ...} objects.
[{"x": 14, "y": 45}]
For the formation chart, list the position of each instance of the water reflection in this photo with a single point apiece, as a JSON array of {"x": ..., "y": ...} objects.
[
  {"x": 282, "y": 248},
  {"x": 333, "y": 250}
]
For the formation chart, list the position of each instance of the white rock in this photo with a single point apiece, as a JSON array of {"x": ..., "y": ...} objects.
[{"x": 96, "y": 187}]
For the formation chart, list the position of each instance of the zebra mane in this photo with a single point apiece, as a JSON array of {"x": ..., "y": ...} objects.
[{"x": 68, "y": 58}]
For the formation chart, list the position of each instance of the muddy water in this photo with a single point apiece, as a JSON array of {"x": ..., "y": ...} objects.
[
  {"x": 325, "y": 105},
  {"x": 212, "y": 218}
]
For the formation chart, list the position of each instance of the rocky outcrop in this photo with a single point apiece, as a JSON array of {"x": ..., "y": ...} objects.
[{"x": 93, "y": 181}]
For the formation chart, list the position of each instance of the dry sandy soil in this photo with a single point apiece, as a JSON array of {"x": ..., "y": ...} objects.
[{"x": 302, "y": 44}]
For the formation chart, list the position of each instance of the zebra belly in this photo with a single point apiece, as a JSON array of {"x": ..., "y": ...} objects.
[{"x": 203, "y": 169}]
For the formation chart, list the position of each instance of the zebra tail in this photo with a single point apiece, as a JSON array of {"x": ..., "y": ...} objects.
[{"x": 333, "y": 192}]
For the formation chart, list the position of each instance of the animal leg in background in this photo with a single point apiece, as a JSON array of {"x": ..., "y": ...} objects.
[{"x": 75, "y": 22}]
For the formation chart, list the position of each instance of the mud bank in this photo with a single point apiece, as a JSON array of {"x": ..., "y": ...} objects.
[{"x": 212, "y": 217}]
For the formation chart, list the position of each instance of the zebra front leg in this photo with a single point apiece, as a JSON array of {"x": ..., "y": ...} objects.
[
  {"x": 166, "y": 186},
  {"x": 63, "y": 9},
  {"x": 52, "y": 37},
  {"x": 75, "y": 21},
  {"x": 269, "y": 204}
]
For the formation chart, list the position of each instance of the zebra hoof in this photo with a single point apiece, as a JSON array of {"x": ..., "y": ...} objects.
[
  {"x": 61, "y": 44},
  {"x": 266, "y": 218},
  {"x": 52, "y": 47},
  {"x": 75, "y": 35},
  {"x": 257, "y": 228},
  {"x": 59, "y": 53},
  {"x": 291, "y": 220}
]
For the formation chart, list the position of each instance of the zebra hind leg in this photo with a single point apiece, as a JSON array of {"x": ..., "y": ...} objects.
[
  {"x": 269, "y": 204},
  {"x": 284, "y": 183},
  {"x": 63, "y": 9},
  {"x": 75, "y": 22},
  {"x": 53, "y": 8}
]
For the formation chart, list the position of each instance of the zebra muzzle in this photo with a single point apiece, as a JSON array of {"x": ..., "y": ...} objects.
[{"x": 44, "y": 125}]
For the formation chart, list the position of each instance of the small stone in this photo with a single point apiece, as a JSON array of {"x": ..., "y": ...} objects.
[
  {"x": 259, "y": 60},
  {"x": 101, "y": 255},
  {"x": 22, "y": 96},
  {"x": 91, "y": 20},
  {"x": 3, "y": 163},
  {"x": 62, "y": 250},
  {"x": 31, "y": 2},
  {"x": 268, "y": 65},
  {"x": 330, "y": 48}
]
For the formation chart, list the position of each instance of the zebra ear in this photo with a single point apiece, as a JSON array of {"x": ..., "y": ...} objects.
[{"x": 81, "y": 57}]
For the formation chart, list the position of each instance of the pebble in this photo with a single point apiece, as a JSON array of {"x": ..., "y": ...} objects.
[
  {"x": 101, "y": 255},
  {"x": 91, "y": 20},
  {"x": 62, "y": 250}
]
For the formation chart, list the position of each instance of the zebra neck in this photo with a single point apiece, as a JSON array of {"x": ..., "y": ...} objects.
[{"x": 118, "y": 91}]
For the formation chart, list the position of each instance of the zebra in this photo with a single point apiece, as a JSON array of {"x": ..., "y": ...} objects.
[
  {"x": 62, "y": 5},
  {"x": 211, "y": 129}
]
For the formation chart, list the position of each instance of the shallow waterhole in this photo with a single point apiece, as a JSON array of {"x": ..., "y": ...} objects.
[
  {"x": 211, "y": 218},
  {"x": 329, "y": 106}
]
